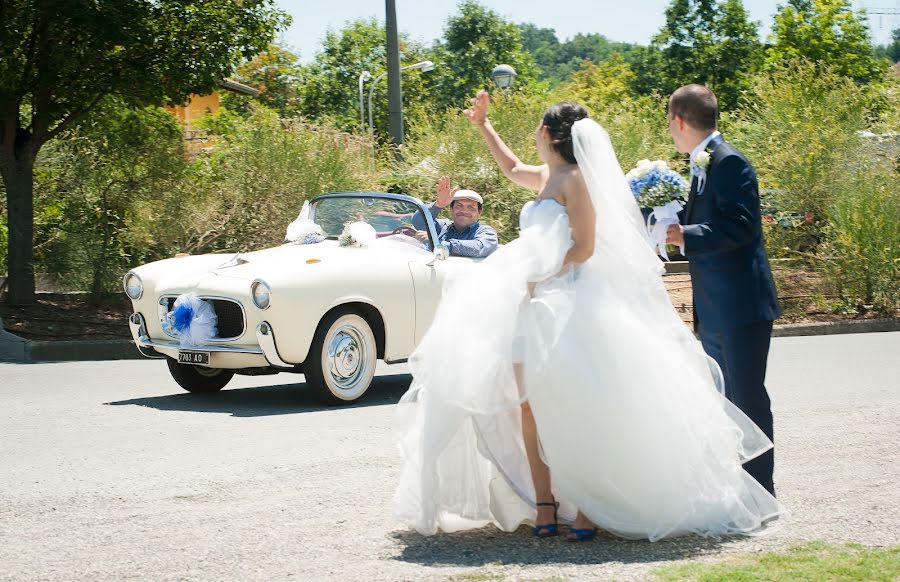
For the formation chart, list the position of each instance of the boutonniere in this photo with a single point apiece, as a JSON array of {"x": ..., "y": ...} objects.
[{"x": 703, "y": 160}]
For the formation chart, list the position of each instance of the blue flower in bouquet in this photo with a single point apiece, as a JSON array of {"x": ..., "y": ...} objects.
[{"x": 655, "y": 184}]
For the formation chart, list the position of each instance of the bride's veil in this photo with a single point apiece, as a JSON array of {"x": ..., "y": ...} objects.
[
  {"x": 628, "y": 270},
  {"x": 620, "y": 226}
]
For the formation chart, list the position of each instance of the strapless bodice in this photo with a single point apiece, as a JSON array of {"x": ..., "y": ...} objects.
[{"x": 543, "y": 211}]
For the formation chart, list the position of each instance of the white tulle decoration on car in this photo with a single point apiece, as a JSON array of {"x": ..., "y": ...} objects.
[
  {"x": 357, "y": 234},
  {"x": 192, "y": 320},
  {"x": 304, "y": 231}
]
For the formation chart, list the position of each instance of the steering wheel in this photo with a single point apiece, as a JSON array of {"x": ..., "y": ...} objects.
[{"x": 405, "y": 229}]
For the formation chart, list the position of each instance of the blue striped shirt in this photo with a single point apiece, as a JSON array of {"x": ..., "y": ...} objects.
[{"x": 478, "y": 240}]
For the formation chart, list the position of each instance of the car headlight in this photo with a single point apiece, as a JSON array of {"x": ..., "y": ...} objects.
[
  {"x": 133, "y": 285},
  {"x": 261, "y": 293}
]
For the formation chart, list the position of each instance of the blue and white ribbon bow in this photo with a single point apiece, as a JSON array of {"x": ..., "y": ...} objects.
[{"x": 658, "y": 222}]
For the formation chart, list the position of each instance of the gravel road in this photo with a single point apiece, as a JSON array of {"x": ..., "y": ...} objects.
[{"x": 109, "y": 472}]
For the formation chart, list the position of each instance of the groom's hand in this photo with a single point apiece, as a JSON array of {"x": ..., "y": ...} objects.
[
  {"x": 477, "y": 114},
  {"x": 675, "y": 235}
]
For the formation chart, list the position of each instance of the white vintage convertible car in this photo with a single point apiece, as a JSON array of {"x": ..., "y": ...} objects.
[{"x": 323, "y": 309}]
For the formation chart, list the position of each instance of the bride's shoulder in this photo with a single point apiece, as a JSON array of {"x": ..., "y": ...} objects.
[
  {"x": 572, "y": 185},
  {"x": 572, "y": 179}
]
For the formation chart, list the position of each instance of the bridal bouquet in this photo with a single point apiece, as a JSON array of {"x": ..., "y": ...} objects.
[{"x": 661, "y": 188}]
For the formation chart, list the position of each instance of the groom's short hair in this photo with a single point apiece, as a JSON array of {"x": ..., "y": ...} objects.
[{"x": 696, "y": 104}]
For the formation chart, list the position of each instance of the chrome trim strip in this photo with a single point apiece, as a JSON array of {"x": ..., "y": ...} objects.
[
  {"x": 142, "y": 339},
  {"x": 140, "y": 336},
  {"x": 217, "y": 339},
  {"x": 265, "y": 336}
]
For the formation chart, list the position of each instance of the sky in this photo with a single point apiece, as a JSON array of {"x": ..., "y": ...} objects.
[{"x": 633, "y": 21}]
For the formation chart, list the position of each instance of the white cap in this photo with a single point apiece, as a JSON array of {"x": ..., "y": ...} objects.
[{"x": 468, "y": 195}]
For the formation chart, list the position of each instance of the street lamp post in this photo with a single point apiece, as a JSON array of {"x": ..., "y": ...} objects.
[
  {"x": 503, "y": 76},
  {"x": 425, "y": 66},
  {"x": 395, "y": 95},
  {"x": 363, "y": 77}
]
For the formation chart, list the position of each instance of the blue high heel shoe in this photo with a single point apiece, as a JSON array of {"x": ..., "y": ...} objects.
[
  {"x": 547, "y": 530},
  {"x": 581, "y": 534}
]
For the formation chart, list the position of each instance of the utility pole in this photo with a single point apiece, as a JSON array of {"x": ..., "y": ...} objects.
[{"x": 395, "y": 96}]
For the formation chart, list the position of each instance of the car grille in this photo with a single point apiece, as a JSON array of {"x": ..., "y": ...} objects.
[{"x": 229, "y": 315}]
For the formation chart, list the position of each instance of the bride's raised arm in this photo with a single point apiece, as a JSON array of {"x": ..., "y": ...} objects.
[{"x": 525, "y": 175}]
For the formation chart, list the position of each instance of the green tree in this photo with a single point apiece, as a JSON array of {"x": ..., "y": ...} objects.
[
  {"x": 829, "y": 33},
  {"x": 557, "y": 61},
  {"x": 58, "y": 60},
  {"x": 890, "y": 51},
  {"x": 475, "y": 41},
  {"x": 330, "y": 89},
  {"x": 703, "y": 41},
  {"x": 600, "y": 85},
  {"x": 276, "y": 73},
  {"x": 94, "y": 186}
]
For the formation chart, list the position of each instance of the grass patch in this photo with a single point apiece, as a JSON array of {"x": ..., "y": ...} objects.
[{"x": 813, "y": 562}]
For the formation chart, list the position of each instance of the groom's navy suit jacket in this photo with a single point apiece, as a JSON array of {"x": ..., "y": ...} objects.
[{"x": 723, "y": 241}]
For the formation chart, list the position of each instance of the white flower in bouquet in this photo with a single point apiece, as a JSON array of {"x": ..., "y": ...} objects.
[
  {"x": 661, "y": 188},
  {"x": 655, "y": 184}
]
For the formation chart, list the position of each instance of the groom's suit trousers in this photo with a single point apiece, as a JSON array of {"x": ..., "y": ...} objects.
[{"x": 742, "y": 353}]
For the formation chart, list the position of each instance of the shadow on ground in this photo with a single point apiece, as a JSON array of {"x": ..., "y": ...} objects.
[
  {"x": 489, "y": 545},
  {"x": 270, "y": 400}
]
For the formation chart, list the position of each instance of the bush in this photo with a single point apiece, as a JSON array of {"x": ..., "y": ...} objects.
[
  {"x": 863, "y": 245},
  {"x": 244, "y": 193},
  {"x": 90, "y": 187},
  {"x": 800, "y": 130}
]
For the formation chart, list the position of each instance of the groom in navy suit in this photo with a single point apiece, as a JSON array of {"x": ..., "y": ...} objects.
[{"x": 721, "y": 232}]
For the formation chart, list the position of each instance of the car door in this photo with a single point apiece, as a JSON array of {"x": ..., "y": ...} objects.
[{"x": 428, "y": 278}]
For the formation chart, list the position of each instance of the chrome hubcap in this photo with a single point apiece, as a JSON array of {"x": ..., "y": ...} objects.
[{"x": 346, "y": 357}]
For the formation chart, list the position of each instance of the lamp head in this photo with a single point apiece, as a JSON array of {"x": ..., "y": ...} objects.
[
  {"x": 503, "y": 76},
  {"x": 424, "y": 66}
]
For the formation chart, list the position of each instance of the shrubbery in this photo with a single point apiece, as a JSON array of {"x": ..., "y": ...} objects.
[{"x": 118, "y": 190}]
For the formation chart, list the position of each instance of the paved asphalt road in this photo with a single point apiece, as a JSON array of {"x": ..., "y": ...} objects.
[{"x": 108, "y": 471}]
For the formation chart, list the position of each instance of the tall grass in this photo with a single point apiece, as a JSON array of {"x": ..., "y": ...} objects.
[
  {"x": 245, "y": 192},
  {"x": 863, "y": 244},
  {"x": 800, "y": 128}
]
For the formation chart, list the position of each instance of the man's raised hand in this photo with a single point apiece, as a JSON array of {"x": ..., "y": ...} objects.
[{"x": 444, "y": 193}]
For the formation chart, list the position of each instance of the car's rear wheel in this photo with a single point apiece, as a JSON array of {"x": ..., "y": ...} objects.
[
  {"x": 341, "y": 362},
  {"x": 198, "y": 379}
]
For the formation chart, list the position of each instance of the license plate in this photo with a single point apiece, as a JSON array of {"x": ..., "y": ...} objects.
[{"x": 200, "y": 358}]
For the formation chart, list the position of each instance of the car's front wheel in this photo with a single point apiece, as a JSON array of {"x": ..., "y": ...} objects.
[
  {"x": 198, "y": 379},
  {"x": 341, "y": 362}
]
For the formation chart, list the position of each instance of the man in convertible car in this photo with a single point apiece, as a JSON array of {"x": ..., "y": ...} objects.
[{"x": 464, "y": 236}]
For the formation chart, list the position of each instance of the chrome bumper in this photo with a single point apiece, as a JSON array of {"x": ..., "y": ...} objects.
[{"x": 265, "y": 337}]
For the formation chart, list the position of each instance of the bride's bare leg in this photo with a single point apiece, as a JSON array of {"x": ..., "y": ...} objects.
[{"x": 540, "y": 472}]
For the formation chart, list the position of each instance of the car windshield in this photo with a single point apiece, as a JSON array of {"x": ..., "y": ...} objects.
[{"x": 387, "y": 216}]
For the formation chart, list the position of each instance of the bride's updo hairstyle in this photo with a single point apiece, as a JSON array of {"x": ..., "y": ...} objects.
[{"x": 558, "y": 119}]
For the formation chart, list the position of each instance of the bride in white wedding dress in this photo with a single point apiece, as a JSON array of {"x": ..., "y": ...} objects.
[{"x": 556, "y": 373}]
